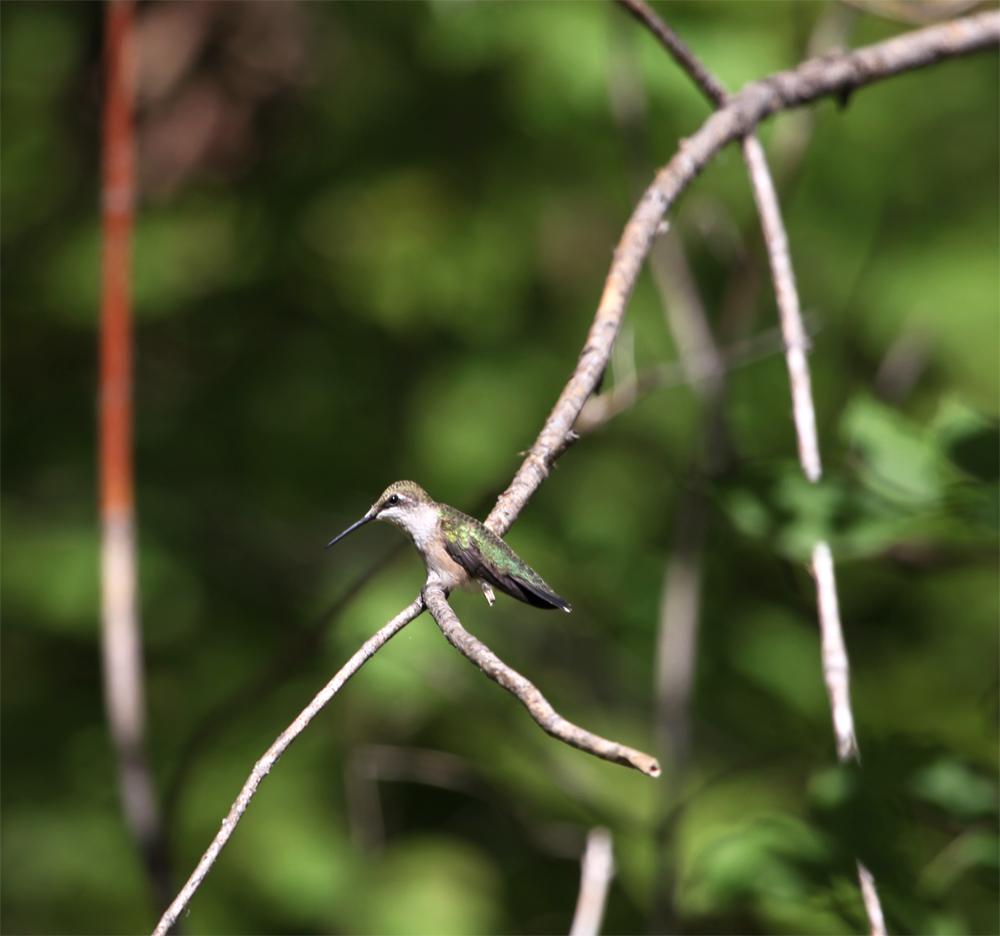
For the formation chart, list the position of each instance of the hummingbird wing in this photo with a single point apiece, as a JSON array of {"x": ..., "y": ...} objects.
[{"x": 485, "y": 556}]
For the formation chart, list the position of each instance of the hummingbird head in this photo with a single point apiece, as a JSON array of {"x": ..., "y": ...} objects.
[{"x": 405, "y": 504}]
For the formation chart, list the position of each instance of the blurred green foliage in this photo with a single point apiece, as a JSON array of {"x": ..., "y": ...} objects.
[{"x": 395, "y": 283}]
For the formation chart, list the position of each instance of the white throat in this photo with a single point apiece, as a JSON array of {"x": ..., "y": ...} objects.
[{"x": 420, "y": 522}]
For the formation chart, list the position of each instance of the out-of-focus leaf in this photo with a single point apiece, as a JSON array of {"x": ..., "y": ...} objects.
[
  {"x": 406, "y": 251},
  {"x": 782, "y": 655},
  {"x": 971, "y": 850},
  {"x": 179, "y": 256},
  {"x": 901, "y": 462},
  {"x": 432, "y": 885},
  {"x": 952, "y": 786},
  {"x": 49, "y": 572}
]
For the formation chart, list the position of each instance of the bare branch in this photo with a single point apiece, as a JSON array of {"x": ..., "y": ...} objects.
[
  {"x": 836, "y": 669},
  {"x": 300, "y": 650},
  {"x": 597, "y": 870},
  {"x": 876, "y": 920},
  {"x": 264, "y": 765},
  {"x": 834, "y": 74},
  {"x": 677, "y": 632},
  {"x": 536, "y": 704},
  {"x": 792, "y": 327},
  {"x": 679, "y": 50}
]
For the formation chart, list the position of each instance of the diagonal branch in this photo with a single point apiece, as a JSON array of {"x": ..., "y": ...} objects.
[
  {"x": 836, "y": 74},
  {"x": 681, "y": 52},
  {"x": 536, "y": 704},
  {"x": 302, "y": 649},
  {"x": 836, "y": 668},
  {"x": 264, "y": 765}
]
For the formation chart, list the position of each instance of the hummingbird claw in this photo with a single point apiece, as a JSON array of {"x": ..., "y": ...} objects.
[{"x": 488, "y": 592}]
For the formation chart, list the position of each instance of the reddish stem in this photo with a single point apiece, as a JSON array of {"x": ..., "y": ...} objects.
[{"x": 117, "y": 214}]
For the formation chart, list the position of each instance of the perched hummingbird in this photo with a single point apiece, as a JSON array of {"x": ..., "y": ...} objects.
[{"x": 457, "y": 549}]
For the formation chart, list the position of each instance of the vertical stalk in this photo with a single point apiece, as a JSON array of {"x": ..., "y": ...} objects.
[{"x": 121, "y": 639}]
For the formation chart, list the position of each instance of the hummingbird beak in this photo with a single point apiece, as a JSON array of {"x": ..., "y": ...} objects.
[{"x": 365, "y": 519}]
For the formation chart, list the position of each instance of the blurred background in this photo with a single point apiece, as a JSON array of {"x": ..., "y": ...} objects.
[{"x": 370, "y": 241}]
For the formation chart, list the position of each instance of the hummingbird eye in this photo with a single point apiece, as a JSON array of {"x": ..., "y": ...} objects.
[{"x": 393, "y": 500}]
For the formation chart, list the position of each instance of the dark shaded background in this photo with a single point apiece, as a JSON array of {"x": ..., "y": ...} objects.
[{"x": 371, "y": 241}]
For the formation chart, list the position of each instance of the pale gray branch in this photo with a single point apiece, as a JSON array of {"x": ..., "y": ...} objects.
[
  {"x": 873, "y": 907},
  {"x": 677, "y": 633},
  {"x": 597, "y": 871},
  {"x": 537, "y": 705},
  {"x": 836, "y": 669},
  {"x": 787, "y": 295},
  {"x": 270, "y": 758}
]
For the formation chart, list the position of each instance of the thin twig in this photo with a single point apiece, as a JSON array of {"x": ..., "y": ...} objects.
[
  {"x": 873, "y": 907},
  {"x": 597, "y": 871},
  {"x": 264, "y": 765},
  {"x": 787, "y": 295},
  {"x": 537, "y": 705},
  {"x": 121, "y": 636},
  {"x": 679, "y": 50},
  {"x": 302, "y": 649},
  {"x": 836, "y": 669},
  {"x": 600, "y": 409}
]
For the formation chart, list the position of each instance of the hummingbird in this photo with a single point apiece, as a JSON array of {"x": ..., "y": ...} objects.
[{"x": 457, "y": 549}]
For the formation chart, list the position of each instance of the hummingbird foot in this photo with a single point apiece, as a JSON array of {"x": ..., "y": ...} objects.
[{"x": 488, "y": 592}]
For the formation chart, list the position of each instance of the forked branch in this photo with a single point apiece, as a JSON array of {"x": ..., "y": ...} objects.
[{"x": 837, "y": 74}]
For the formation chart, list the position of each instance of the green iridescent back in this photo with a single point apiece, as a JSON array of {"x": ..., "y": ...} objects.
[{"x": 463, "y": 532}]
